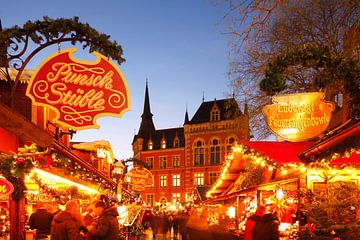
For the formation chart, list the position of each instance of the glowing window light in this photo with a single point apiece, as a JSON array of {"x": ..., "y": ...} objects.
[
  {"x": 54, "y": 178},
  {"x": 231, "y": 212},
  {"x": 279, "y": 194}
]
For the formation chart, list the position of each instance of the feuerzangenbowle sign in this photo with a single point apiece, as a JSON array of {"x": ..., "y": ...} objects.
[{"x": 78, "y": 91}]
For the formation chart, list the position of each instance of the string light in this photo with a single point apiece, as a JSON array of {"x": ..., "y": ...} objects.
[{"x": 318, "y": 167}]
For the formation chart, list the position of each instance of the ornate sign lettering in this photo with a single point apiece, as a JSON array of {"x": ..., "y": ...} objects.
[
  {"x": 6, "y": 188},
  {"x": 298, "y": 117},
  {"x": 140, "y": 179},
  {"x": 78, "y": 91}
]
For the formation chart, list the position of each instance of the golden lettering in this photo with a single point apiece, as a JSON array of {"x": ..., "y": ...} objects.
[
  {"x": 81, "y": 75},
  {"x": 3, "y": 189},
  {"x": 91, "y": 99}
]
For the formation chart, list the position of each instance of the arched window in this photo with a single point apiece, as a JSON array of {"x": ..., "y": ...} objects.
[
  {"x": 176, "y": 142},
  {"x": 199, "y": 153},
  {"x": 163, "y": 143},
  {"x": 214, "y": 152},
  {"x": 150, "y": 145},
  {"x": 230, "y": 142},
  {"x": 163, "y": 202}
]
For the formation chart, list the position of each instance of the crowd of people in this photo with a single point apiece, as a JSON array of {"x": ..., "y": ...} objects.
[{"x": 99, "y": 222}]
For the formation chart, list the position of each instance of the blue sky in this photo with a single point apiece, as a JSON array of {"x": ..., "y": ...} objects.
[{"x": 177, "y": 45}]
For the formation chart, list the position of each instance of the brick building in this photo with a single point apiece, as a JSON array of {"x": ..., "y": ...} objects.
[{"x": 183, "y": 158}]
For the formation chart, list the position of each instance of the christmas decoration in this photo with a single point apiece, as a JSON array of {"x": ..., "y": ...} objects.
[
  {"x": 332, "y": 211},
  {"x": 331, "y": 68}
]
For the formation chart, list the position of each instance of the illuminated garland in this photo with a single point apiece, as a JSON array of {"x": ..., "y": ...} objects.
[
  {"x": 15, "y": 167},
  {"x": 61, "y": 196},
  {"x": 261, "y": 159}
]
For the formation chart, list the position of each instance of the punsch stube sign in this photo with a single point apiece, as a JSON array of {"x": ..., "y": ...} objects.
[{"x": 78, "y": 91}]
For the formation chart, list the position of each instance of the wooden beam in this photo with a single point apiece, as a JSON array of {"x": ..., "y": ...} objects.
[{"x": 21, "y": 127}]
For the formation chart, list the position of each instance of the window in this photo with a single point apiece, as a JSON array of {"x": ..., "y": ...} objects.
[
  {"x": 162, "y": 162},
  {"x": 176, "y": 180},
  {"x": 230, "y": 142},
  {"x": 150, "y": 162},
  {"x": 163, "y": 202},
  {"x": 215, "y": 113},
  {"x": 214, "y": 152},
  {"x": 199, "y": 153},
  {"x": 176, "y": 197},
  {"x": 213, "y": 176},
  {"x": 199, "y": 179},
  {"x": 176, "y": 161},
  {"x": 163, "y": 143},
  {"x": 176, "y": 142},
  {"x": 150, "y": 145},
  {"x": 163, "y": 181},
  {"x": 150, "y": 199}
]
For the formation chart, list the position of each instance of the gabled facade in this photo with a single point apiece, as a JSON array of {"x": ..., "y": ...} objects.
[{"x": 183, "y": 158}]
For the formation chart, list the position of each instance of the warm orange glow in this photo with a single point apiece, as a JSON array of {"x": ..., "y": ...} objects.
[
  {"x": 52, "y": 179},
  {"x": 299, "y": 117}
]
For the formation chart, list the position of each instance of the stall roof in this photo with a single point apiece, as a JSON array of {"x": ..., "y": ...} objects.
[{"x": 279, "y": 152}]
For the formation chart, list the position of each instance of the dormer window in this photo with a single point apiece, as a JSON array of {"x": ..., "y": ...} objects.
[
  {"x": 215, "y": 114},
  {"x": 163, "y": 143},
  {"x": 176, "y": 143},
  {"x": 150, "y": 145}
]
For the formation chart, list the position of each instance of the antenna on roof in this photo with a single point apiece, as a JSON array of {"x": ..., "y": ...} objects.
[{"x": 203, "y": 97}]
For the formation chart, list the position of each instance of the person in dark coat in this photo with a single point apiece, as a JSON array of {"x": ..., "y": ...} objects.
[
  {"x": 160, "y": 226},
  {"x": 41, "y": 221},
  {"x": 267, "y": 228},
  {"x": 65, "y": 225},
  {"x": 107, "y": 225},
  {"x": 252, "y": 220}
]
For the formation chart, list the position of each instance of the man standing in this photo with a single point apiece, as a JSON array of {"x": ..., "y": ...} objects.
[
  {"x": 252, "y": 220},
  {"x": 41, "y": 221},
  {"x": 65, "y": 225},
  {"x": 107, "y": 225}
]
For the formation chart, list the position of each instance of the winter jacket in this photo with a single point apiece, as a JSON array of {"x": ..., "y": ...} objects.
[
  {"x": 250, "y": 224},
  {"x": 267, "y": 228},
  {"x": 107, "y": 227},
  {"x": 65, "y": 227},
  {"x": 41, "y": 221}
]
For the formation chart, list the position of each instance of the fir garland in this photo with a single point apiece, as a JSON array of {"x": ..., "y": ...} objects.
[
  {"x": 14, "y": 168},
  {"x": 332, "y": 68},
  {"x": 50, "y": 31}
]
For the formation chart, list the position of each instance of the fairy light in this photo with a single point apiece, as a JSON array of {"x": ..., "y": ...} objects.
[{"x": 316, "y": 168}]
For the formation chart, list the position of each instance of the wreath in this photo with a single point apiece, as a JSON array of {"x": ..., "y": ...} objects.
[{"x": 332, "y": 68}]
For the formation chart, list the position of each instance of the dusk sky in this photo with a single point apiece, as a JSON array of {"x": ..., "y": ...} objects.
[{"x": 177, "y": 45}]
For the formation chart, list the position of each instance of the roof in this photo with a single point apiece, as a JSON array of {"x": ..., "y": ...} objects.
[
  {"x": 278, "y": 152},
  {"x": 337, "y": 140},
  {"x": 229, "y": 109},
  {"x": 168, "y": 134}
]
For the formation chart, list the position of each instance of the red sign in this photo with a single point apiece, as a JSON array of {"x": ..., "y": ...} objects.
[
  {"x": 6, "y": 188},
  {"x": 140, "y": 179},
  {"x": 78, "y": 91}
]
